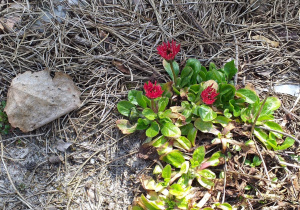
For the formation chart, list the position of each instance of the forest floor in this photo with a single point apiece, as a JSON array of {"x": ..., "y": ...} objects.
[{"x": 109, "y": 47}]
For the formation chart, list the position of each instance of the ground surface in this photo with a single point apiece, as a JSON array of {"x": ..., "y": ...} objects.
[{"x": 109, "y": 47}]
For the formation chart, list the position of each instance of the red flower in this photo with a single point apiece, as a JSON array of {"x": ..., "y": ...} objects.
[
  {"x": 168, "y": 51},
  {"x": 208, "y": 95},
  {"x": 153, "y": 90}
]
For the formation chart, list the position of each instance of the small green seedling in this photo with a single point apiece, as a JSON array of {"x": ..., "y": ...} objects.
[{"x": 256, "y": 161}]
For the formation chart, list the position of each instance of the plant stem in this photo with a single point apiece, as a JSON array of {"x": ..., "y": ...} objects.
[
  {"x": 173, "y": 72},
  {"x": 153, "y": 106}
]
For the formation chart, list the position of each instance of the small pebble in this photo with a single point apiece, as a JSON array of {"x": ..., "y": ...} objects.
[{"x": 92, "y": 161}]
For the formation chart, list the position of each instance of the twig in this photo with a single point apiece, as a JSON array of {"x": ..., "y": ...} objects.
[
  {"x": 236, "y": 60},
  {"x": 262, "y": 159},
  {"x": 224, "y": 187},
  {"x": 70, "y": 199},
  {"x": 21, "y": 198},
  {"x": 283, "y": 133}
]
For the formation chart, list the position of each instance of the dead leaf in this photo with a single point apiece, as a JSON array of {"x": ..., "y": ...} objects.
[
  {"x": 54, "y": 159},
  {"x": 121, "y": 67},
  {"x": 12, "y": 17},
  {"x": 148, "y": 151},
  {"x": 35, "y": 99},
  {"x": 266, "y": 40},
  {"x": 63, "y": 146}
]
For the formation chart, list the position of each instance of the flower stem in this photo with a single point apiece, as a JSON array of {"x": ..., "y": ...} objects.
[
  {"x": 153, "y": 106},
  {"x": 173, "y": 72}
]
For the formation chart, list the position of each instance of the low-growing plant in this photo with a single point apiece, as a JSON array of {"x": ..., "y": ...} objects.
[
  {"x": 4, "y": 124},
  {"x": 197, "y": 100}
]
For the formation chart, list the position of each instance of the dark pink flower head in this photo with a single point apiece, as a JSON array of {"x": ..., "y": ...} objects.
[
  {"x": 168, "y": 51},
  {"x": 209, "y": 95},
  {"x": 153, "y": 90}
]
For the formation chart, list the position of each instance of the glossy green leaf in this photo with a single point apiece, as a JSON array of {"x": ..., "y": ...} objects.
[
  {"x": 159, "y": 141},
  {"x": 149, "y": 114},
  {"x": 184, "y": 142},
  {"x": 125, "y": 126},
  {"x": 215, "y": 75},
  {"x": 137, "y": 208},
  {"x": 142, "y": 124},
  {"x": 170, "y": 130},
  {"x": 271, "y": 104},
  {"x": 206, "y": 113},
  {"x": 230, "y": 70},
  {"x": 132, "y": 96},
  {"x": 149, "y": 204},
  {"x": 184, "y": 167},
  {"x": 261, "y": 135},
  {"x": 256, "y": 161},
  {"x": 227, "y": 114},
  {"x": 274, "y": 126},
  {"x": 206, "y": 173},
  {"x": 287, "y": 143},
  {"x": 167, "y": 67},
  {"x": 192, "y": 134},
  {"x": 153, "y": 130},
  {"x": 205, "y": 127},
  {"x": 162, "y": 104},
  {"x": 226, "y": 92},
  {"x": 124, "y": 107},
  {"x": 248, "y": 95},
  {"x": 199, "y": 154},
  {"x": 175, "y": 158},
  {"x": 176, "y": 189},
  {"x": 142, "y": 100},
  {"x": 208, "y": 184},
  {"x": 186, "y": 128},
  {"x": 222, "y": 120},
  {"x": 166, "y": 173},
  {"x": 186, "y": 75}
]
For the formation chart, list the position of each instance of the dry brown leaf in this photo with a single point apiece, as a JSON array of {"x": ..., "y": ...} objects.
[
  {"x": 35, "y": 99},
  {"x": 121, "y": 67},
  {"x": 63, "y": 146},
  {"x": 14, "y": 14},
  {"x": 266, "y": 40}
]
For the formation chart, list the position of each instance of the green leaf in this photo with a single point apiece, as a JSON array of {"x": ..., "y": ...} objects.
[
  {"x": 175, "y": 158},
  {"x": 192, "y": 134},
  {"x": 142, "y": 124},
  {"x": 227, "y": 114},
  {"x": 205, "y": 182},
  {"x": 166, "y": 173},
  {"x": 132, "y": 96},
  {"x": 206, "y": 113},
  {"x": 176, "y": 189},
  {"x": 162, "y": 104},
  {"x": 256, "y": 160},
  {"x": 271, "y": 104},
  {"x": 167, "y": 67},
  {"x": 124, "y": 107},
  {"x": 142, "y": 100},
  {"x": 186, "y": 128},
  {"x": 274, "y": 126},
  {"x": 184, "y": 167},
  {"x": 186, "y": 75},
  {"x": 216, "y": 75},
  {"x": 149, "y": 204},
  {"x": 153, "y": 130},
  {"x": 230, "y": 70},
  {"x": 222, "y": 120},
  {"x": 137, "y": 208},
  {"x": 205, "y": 127},
  {"x": 287, "y": 143},
  {"x": 261, "y": 135},
  {"x": 170, "y": 130},
  {"x": 159, "y": 141},
  {"x": 125, "y": 126},
  {"x": 249, "y": 95},
  {"x": 184, "y": 142},
  {"x": 227, "y": 92},
  {"x": 149, "y": 114},
  {"x": 199, "y": 154},
  {"x": 206, "y": 173}
]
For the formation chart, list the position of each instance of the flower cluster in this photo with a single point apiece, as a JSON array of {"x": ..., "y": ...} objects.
[
  {"x": 168, "y": 50},
  {"x": 153, "y": 90},
  {"x": 209, "y": 95}
]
